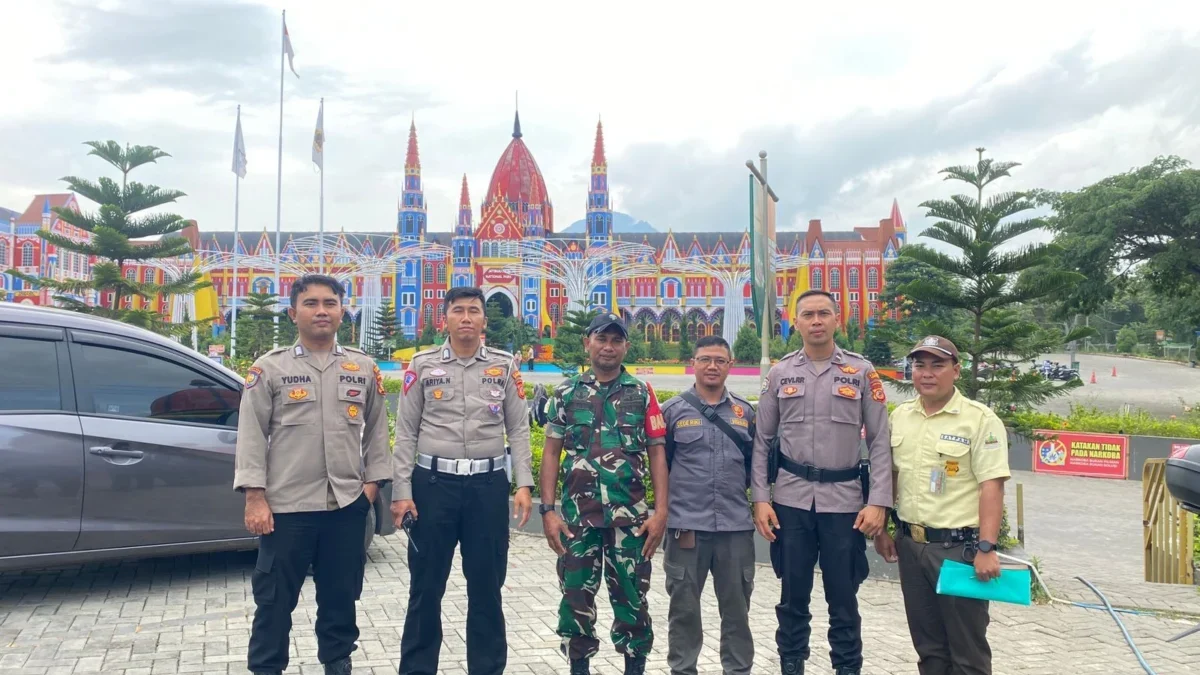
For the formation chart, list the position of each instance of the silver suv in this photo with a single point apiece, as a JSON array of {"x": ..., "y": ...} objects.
[{"x": 116, "y": 443}]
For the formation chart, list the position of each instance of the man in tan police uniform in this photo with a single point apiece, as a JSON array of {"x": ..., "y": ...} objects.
[
  {"x": 458, "y": 403},
  {"x": 819, "y": 403},
  {"x": 951, "y": 460},
  {"x": 312, "y": 416}
]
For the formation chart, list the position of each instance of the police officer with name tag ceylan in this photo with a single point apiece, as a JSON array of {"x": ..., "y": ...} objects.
[
  {"x": 811, "y": 415},
  {"x": 459, "y": 401},
  {"x": 312, "y": 415}
]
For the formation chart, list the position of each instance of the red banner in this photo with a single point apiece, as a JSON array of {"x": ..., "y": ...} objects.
[
  {"x": 1081, "y": 454},
  {"x": 1179, "y": 449}
]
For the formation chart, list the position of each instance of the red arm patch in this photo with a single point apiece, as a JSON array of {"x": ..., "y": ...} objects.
[
  {"x": 410, "y": 377},
  {"x": 877, "y": 393},
  {"x": 656, "y": 427}
]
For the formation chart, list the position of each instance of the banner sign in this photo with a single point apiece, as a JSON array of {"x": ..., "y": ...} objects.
[{"x": 1081, "y": 454}]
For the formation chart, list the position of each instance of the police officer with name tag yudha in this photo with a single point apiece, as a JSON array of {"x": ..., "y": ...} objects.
[
  {"x": 710, "y": 432},
  {"x": 453, "y": 476},
  {"x": 951, "y": 462},
  {"x": 312, "y": 416},
  {"x": 811, "y": 416}
]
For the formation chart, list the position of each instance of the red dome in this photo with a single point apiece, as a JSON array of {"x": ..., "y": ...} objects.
[{"x": 518, "y": 179}]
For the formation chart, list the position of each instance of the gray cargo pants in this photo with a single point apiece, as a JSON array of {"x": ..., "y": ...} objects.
[{"x": 729, "y": 557}]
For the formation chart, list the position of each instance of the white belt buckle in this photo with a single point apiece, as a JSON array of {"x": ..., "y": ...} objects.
[{"x": 462, "y": 467}]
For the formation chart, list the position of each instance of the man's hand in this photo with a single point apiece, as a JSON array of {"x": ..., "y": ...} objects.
[
  {"x": 885, "y": 546},
  {"x": 654, "y": 528},
  {"x": 259, "y": 519},
  {"x": 401, "y": 507},
  {"x": 987, "y": 565},
  {"x": 765, "y": 520},
  {"x": 553, "y": 526},
  {"x": 523, "y": 504},
  {"x": 871, "y": 520},
  {"x": 371, "y": 490}
]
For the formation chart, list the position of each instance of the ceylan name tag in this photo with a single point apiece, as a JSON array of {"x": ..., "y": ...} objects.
[{"x": 956, "y": 439}]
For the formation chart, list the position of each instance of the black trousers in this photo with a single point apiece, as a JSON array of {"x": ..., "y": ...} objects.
[
  {"x": 332, "y": 542},
  {"x": 452, "y": 510},
  {"x": 803, "y": 538},
  {"x": 948, "y": 632}
]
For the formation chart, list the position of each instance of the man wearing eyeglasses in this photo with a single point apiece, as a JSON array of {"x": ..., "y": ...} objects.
[
  {"x": 710, "y": 433},
  {"x": 815, "y": 406}
]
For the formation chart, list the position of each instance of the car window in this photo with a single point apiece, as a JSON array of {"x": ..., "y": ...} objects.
[
  {"x": 131, "y": 384},
  {"x": 30, "y": 375}
]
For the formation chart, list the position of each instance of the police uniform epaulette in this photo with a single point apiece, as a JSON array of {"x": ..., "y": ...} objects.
[
  {"x": 426, "y": 352},
  {"x": 492, "y": 351},
  {"x": 277, "y": 350},
  {"x": 740, "y": 399},
  {"x": 790, "y": 355},
  {"x": 854, "y": 354},
  {"x": 672, "y": 402},
  {"x": 356, "y": 350}
]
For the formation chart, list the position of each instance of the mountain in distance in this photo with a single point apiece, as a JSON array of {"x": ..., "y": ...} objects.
[{"x": 623, "y": 223}]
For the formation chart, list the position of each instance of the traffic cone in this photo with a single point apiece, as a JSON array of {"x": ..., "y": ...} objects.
[
  {"x": 1093, "y": 377},
  {"x": 1114, "y": 371}
]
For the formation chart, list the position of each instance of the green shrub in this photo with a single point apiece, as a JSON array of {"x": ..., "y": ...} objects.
[{"x": 1090, "y": 419}]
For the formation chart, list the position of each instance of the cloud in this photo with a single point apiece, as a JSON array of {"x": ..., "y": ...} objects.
[{"x": 848, "y": 170}]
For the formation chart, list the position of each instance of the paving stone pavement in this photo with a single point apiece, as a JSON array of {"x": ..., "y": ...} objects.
[
  {"x": 1092, "y": 527},
  {"x": 192, "y": 615}
]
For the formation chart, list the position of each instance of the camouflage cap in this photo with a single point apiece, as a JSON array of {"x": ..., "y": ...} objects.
[
  {"x": 603, "y": 322},
  {"x": 937, "y": 346}
]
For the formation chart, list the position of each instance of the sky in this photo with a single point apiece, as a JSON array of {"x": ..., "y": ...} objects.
[{"x": 856, "y": 104}]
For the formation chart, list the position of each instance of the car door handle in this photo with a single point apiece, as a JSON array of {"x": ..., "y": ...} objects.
[{"x": 105, "y": 451}]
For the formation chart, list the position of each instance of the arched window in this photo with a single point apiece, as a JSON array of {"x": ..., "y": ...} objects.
[
  {"x": 148, "y": 275},
  {"x": 872, "y": 279},
  {"x": 428, "y": 277},
  {"x": 852, "y": 280},
  {"x": 835, "y": 279},
  {"x": 854, "y": 310},
  {"x": 27, "y": 255},
  {"x": 4, "y": 252},
  {"x": 817, "y": 280},
  {"x": 428, "y": 314}
]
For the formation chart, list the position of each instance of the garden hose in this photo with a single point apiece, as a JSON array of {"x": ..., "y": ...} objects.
[{"x": 1106, "y": 607}]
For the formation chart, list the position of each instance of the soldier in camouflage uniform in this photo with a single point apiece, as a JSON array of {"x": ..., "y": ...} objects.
[{"x": 610, "y": 426}]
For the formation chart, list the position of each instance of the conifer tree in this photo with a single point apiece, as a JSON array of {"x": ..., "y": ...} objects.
[{"x": 120, "y": 237}]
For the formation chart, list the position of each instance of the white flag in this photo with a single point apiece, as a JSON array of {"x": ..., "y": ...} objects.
[
  {"x": 239, "y": 148},
  {"x": 318, "y": 149},
  {"x": 287, "y": 48}
]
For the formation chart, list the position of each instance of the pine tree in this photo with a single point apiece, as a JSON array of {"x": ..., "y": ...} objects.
[
  {"x": 747, "y": 346},
  {"x": 383, "y": 331},
  {"x": 118, "y": 238},
  {"x": 658, "y": 350},
  {"x": 991, "y": 282},
  {"x": 685, "y": 343},
  {"x": 256, "y": 325},
  {"x": 568, "y": 340}
]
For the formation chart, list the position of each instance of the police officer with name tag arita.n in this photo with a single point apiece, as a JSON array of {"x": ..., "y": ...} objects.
[
  {"x": 458, "y": 403},
  {"x": 811, "y": 415},
  {"x": 312, "y": 453}
]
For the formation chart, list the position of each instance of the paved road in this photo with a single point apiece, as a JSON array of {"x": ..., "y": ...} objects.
[
  {"x": 1158, "y": 387},
  {"x": 191, "y": 615}
]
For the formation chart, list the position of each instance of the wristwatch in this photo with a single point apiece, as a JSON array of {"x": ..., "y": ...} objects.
[
  {"x": 543, "y": 509},
  {"x": 985, "y": 546}
]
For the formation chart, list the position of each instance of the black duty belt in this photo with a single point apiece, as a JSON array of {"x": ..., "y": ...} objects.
[
  {"x": 817, "y": 474},
  {"x": 925, "y": 535}
]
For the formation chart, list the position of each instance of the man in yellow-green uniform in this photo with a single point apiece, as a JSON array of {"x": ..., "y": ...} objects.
[{"x": 950, "y": 461}]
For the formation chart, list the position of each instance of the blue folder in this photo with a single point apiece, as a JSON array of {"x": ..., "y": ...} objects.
[{"x": 959, "y": 579}]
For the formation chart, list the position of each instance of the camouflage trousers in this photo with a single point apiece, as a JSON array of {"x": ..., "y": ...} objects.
[{"x": 615, "y": 553}]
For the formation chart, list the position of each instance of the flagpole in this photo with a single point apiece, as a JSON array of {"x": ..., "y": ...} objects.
[
  {"x": 321, "y": 239},
  {"x": 279, "y": 179},
  {"x": 237, "y": 189}
]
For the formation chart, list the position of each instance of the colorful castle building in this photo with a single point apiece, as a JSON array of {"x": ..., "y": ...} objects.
[{"x": 516, "y": 213}]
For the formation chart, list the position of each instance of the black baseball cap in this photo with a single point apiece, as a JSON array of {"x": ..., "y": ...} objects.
[{"x": 605, "y": 321}]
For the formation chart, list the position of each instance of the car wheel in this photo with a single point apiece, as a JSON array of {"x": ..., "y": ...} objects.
[{"x": 370, "y": 533}]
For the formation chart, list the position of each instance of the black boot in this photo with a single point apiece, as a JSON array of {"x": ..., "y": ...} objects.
[
  {"x": 635, "y": 665},
  {"x": 791, "y": 666},
  {"x": 339, "y": 667},
  {"x": 266, "y": 672},
  {"x": 847, "y": 670},
  {"x": 580, "y": 667}
]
